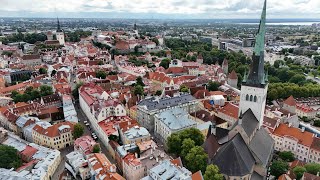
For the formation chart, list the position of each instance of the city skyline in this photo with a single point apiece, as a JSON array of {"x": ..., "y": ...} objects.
[{"x": 170, "y": 9}]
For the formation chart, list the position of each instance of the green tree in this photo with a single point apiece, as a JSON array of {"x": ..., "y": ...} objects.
[
  {"x": 196, "y": 159},
  {"x": 194, "y": 134},
  {"x": 53, "y": 73},
  {"x": 9, "y": 157},
  {"x": 42, "y": 71},
  {"x": 78, "y": 130},
  {"x": 298, "y": 171},
  {"x": 156, "y": 41},
  {"x": 213, "y": 86},
  {"x": 165, "y": 63},
  {"x": 158, "y": 92},
  {"x": 101, "y": 74},
  {"x": 139, "y": 81},
  {"x": 45, "y": 90},
  {"x": 298, "y": 78},
  {"x": 278, "y": 168},
  {"x": 184, "y": 88},
  {"x": 138, "y": 90},
  {"x": 174, "y": 143},
  {"x": 96, "y": 148},
  {"x": 100, "y": 63},
  {"x": 287, "y": 156},
  {"x": 312, "y": 168},
  {"x": 187, "y": 145},
  {"x": 212, "y": 173}
]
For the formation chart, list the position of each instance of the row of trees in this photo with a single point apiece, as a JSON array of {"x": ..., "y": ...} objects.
[
  {"x": 29, "y": 38},
  {"x": 284, "y": 90},
  {"x": 77, "y": 35},
  {"x": 187, "y": 145},
  {"x": 31, "y": 93}
]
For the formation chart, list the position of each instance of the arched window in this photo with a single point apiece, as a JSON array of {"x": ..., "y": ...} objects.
[
  {"x": 247, "y": 97},
  {"x": 255, "y": 99},
  {"x": 251, "y": 98}
]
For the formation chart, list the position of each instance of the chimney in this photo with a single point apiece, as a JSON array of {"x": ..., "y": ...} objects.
[
  {"x": 318, "y": 173},
  {"x": 240, "y": 118},
  {"x": 303, "y": 129}
]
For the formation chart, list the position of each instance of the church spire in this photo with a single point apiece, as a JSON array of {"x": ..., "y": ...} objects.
[
  {"x": 256, "y": 75},
  {"x": 58, "y": 28}
]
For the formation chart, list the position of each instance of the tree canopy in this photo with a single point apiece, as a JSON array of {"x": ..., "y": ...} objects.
[
  {"x": 138, "y": 90},
  {"x": 101, "y": 74},
  {"x": 175, "y": 140},
  {"x": 78, "y": 130},
  {"x": 9, "y": 157},
  {"x": 184, "y": 88},
  {"x": 187, "y": 145},
  {"x": 287, "y": 156},
  {"x": 312, "y": 168},
  {"x": 96, "y": 148},
  {"x": 213, "y": 86},
  {"x": 43, "y": 71},
  {"x": 139, "y": 81},
  {"x": 165, "y": 63},
  {"x": 196, "y": 159},
  {"x": 212, "y": 173},
  {"x": 75, "y": 92},
  {"x": 298, "y": 171},
  {"x": 31, "y": 94},
  {"x": 278, "y": 168}
]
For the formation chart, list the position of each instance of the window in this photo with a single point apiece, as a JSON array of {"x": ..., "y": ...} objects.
[
  {"x": 251, "y": 98},
  {"x": 247, "y": 97},
  {"x": 255, "y": 99}
]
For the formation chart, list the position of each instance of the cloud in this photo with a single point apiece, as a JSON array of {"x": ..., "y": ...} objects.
[{"x": 163, "y": 8}]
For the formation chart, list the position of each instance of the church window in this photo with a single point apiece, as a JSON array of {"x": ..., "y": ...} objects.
[
  {"x": 251, "y": 98},
  {"x": 247, "y": 97},
  {"x": 255, "y": 99}
]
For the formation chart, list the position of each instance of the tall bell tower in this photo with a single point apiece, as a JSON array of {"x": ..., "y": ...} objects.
[
  {"x": 255, "y": 84},
  {"x": 60, "y": 34}
]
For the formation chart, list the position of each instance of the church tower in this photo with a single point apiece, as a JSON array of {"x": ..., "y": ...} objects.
[
  {"x": 255, "y": 84},
  {"x": 60, "y": 34}
]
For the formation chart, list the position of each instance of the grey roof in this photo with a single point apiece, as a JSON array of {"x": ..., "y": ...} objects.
[
  {"x": 256, "y": 176},
  {"x": 21, "y": 121},
  {"x": 262, "y": 146},
  {"x": 176, "y": 119},
  {"x": 234, "y": 158},
  {"x": 249, "y": 122},
  {"x": 153, "y": 103}
]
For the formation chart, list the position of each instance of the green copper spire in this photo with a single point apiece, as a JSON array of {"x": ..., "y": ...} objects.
[
  {"x": 256, "y": 76},
  {"x": 260, "y": 38}
]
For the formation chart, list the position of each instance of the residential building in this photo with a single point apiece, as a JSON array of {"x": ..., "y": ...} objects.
[
  {"x": 132, "y": 133},
  {"x": 31, "y": 60},
  {"x": 298, "y": 141},
  {"x": 168, "y": 170},
  {"x": 170, "y": 121},
  {"x": 148, "y": 108},
  {"x": 302, "y": 110},
  {"x": 77, "y": 165},
  {"x": 69, "y": 111},
  {"x": 85, "y": 144},
  {"x": 101, "y": 168},
  {"x": 41, "y": 161},
  {"x": 57, "y": 136},
  {"x": 228, "y": 113}
]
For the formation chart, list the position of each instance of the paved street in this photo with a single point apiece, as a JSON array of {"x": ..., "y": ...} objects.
[
  {"x": 82, "y": 117},
  {"x": 61, "y": 166}
]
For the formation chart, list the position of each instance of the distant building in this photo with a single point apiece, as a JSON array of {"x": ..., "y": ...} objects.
[
  {"x": 31, "y": 60},
  {"x": 60, "y": 34}
]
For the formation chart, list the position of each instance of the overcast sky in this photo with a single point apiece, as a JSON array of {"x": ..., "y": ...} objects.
[{"x": 207, "y": 9}]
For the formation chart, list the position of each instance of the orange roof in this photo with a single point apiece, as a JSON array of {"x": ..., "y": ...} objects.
[
  {"x": 230, "y": 110},
  {"x": 101, "y": 165},
  {"x": 177, "y": 162},
  {"x": 290, "y": 101},
  {"x": 52, "y": 131},
  {"x": 304, "y": 138},
  {"x": 131, "y": 159},
  {"x": 197, "y": 176}
]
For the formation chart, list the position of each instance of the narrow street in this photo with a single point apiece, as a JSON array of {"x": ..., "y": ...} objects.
[{"x": 61, "y": 166}]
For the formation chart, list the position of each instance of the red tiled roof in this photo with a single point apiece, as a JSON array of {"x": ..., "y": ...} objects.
[
  {"x": 304, "y": 138},
  {"x": 53, "y": 130},
  {"x": 316, "y": 144},
  {"x": 290, "y": 101},
  {"x": 233, "y": 75},
  {"x": 230, "y": 110}
]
